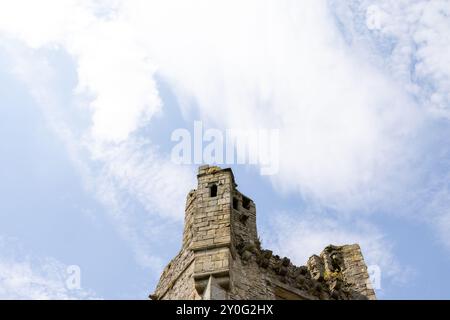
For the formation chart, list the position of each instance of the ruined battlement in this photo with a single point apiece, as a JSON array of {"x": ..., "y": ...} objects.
[{"x": 221, "y": 255}]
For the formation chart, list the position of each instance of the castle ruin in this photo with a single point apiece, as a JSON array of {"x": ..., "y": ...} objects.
[{"x": 221, "y": 257}]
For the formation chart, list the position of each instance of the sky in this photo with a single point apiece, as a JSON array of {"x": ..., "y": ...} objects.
[{"x": 91, "y": 92}]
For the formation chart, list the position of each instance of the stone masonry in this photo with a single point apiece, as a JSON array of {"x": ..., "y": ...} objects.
[{"x": 221, "y": 256}]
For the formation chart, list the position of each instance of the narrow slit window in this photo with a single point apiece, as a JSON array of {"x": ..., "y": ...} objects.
[{"x": 213, "y": 191}]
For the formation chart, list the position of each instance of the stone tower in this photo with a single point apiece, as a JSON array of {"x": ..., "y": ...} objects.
[{"x": 221, "y": 256}]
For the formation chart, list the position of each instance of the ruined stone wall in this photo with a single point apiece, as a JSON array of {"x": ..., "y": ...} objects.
[
  {"x": 177, "y": 281},
  {"x": 222, "y": 258}
]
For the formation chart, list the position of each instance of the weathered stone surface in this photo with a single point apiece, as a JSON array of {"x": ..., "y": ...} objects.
[{"x": 221, "y": 256}]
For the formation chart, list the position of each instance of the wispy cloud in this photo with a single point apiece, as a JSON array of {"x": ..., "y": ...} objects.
[
  {"x": 142, "y": 191},
  {"x": 412, "y": 39},
  {"x": 24, "y": 276}
]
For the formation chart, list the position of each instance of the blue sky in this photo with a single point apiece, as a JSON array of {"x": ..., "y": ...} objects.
[{"x": 90, "y": 92}]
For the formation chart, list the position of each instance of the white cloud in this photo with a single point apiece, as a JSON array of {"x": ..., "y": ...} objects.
[
  {"x": 123, "y": 176},
  {"x": 116, "y": 71},
  {"x": 111, "y": 65},
  {"x": 26, "y": 277},
  {"x": 284, "y": 64},
  {"x": 412, "y": 37}
]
